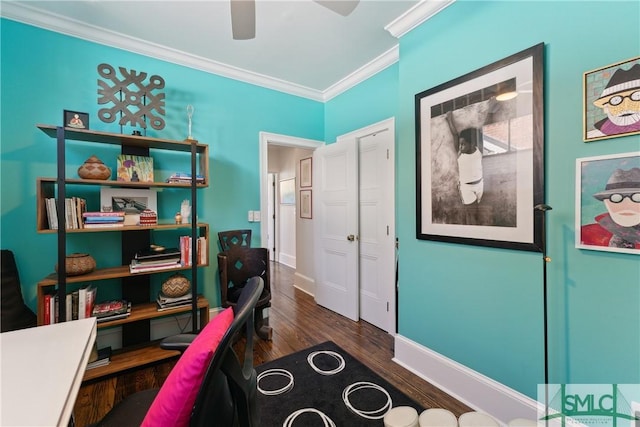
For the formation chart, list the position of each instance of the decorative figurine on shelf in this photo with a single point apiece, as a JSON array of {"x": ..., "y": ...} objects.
[
  {"x": 190, "y": 110},
  {"x": 178, "y": 218},
  {"x": 185, "y": 211}
]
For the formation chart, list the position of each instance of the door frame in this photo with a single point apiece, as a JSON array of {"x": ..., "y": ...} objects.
[
  {"x": 384, "y": 125},
  {"x": 267, "y": 138}
]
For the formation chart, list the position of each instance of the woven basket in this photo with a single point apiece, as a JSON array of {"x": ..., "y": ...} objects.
[
  {"x": 77, "y": 264},
  {"x": 176, "y": 286}
]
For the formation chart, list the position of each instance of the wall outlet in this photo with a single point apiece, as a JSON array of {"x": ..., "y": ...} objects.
[
  {"x": 256, "y": 216},
  {"x": 250, "y": 216}
]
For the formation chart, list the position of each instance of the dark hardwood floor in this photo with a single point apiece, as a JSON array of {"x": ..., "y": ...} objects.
[{"x": 298, "y": 322}]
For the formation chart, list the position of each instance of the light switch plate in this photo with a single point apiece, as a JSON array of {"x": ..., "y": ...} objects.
[
  {"x": 250, "y": 216},
  {"x": 256, "y": 216}
]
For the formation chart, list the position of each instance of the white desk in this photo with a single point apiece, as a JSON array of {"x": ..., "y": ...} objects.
[{"x": 41, "y": 372}]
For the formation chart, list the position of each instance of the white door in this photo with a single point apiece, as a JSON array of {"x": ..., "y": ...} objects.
[
  {"x": 377, "y": 235},
  {"x": 335, "y": 213}
]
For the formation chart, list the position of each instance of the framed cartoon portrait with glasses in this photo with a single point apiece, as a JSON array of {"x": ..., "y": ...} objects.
[
  {"x": 608, "y": 203},
  {"x": 612, "y": 101}
]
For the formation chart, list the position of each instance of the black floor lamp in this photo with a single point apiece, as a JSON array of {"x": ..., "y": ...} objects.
[{"x": 545, "y": 259}]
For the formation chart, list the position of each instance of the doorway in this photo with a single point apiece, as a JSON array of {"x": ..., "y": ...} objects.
[
  {"x": 355, "y": 225},
  {"x": 300, "y": 252}
]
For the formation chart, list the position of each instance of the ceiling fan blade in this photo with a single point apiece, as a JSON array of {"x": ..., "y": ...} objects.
[
  {"x": 243, "y": 19},
  {"x": 343, "y": 7}
]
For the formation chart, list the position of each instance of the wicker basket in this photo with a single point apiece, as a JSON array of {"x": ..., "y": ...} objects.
[
  {"x": 77, "y": 264},
  {"x": 176, "y": 286}
]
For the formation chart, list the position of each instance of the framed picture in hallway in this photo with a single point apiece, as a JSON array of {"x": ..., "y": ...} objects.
[
  {"x": 305, "y": 172},
  {"x": 305, "y": 204},
  {"x": 479, "y": 155},
  {"x": 288, "y": 191}
]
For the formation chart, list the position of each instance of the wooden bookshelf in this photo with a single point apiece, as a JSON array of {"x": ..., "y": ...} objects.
[{"x": 138, "y": 349}]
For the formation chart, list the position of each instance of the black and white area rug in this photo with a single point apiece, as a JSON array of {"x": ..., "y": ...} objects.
[{"x": 324, "y": 386}]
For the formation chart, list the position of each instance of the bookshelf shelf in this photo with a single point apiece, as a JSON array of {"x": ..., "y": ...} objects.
[{"x": 121, "y": 361}]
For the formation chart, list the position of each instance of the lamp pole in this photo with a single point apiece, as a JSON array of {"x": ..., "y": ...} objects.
[{"x": 545, "y": 259}]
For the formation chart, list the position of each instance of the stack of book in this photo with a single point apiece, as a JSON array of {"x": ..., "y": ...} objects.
[
  {"x": 155, "y": 260},
  {"x": 111, "y": 310},
  {"x": 167, "y": 303},
  {"x": 184, "y": 178},
  {"x": 78, "y": 304},
  {"x": 74, "y": 207},
  {"x": 99, "y": 358},
  {"x": 103, "y": 219}
]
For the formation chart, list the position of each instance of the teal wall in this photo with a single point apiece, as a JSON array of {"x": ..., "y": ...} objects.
[
  {"x": 482, "y": 307},
  {"x": 44, "y": 73}
]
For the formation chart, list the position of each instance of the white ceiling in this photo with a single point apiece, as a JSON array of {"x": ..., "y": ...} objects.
[{"x": 300, "y": 47}]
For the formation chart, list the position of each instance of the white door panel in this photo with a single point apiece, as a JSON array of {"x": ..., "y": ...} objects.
[
  {"x": 377, "y": 239},
  {"x": 335, "y": 213}
]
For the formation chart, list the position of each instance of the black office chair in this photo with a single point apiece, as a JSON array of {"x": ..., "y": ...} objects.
[
  {"x": 15, "y": 314},
  {"x": 227, "y": 395},
  {"x": 235, "y": 267},
  {"x": 234, "y": 239}
]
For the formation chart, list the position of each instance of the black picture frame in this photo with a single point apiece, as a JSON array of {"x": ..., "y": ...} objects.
[
  {"x": 482, "y": 191},
  {"x": 75, "y": 119}
]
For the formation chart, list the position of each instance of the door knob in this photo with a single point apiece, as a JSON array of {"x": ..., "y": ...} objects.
[{"x": 351, "y": 237}]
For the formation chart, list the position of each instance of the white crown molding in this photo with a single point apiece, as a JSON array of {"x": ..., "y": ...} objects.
[
  {"x": 32, "y": 16},
  {"x": 415, "y": 16},
  {"x": 388, "y": 58}
]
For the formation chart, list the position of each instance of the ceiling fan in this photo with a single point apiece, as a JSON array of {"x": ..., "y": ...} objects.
[{"x": 243, "y": 15}]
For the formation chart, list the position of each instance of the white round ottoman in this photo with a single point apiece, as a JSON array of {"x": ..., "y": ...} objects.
[
  {"x": 437, "y": 417},
  {"x": 522, "y": 422},
  {"x": 401, "y": 416},
  {"x": 476, "y": 419}
]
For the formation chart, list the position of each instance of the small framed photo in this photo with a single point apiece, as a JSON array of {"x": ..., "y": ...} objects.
[
  {"x": 305, "y": 172},
  {"x": 608, "y": 203},
  {"x": 134, "y": 168},
  {"x": 612, "y": 100},
  {"x": 76, "y": 119},
  {"x": 127, "y": 200},
  {"x": 305, "y": 204}
]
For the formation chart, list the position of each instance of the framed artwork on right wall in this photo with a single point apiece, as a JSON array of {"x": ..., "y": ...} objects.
[
  {"x": 608, "y": 203},
  {"x": 612, "y": 100}
]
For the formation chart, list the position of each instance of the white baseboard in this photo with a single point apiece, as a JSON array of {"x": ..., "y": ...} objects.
[
  {"x": 466, "y": 385},
  {"x": 286, "y": 259},
  {"x": 305, "y": 284}
]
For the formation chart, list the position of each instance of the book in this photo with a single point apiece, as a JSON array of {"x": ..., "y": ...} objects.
[
  {"x": 103, "y": 214},
  {"x": 112, "y": 310},
  {"x": 154, "y": 254},
  {"x": 104, "y": 225},
  {"x": 103, "y": 358},
  {"x": 144, "y": 263},
  {"x": 99, "y": 219},
  {"x": 137, "y": 268},
  {"x": 164, "y": 300},
  {"x": 173, "y": 307},
  {"x": 186, "y": 250}
]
